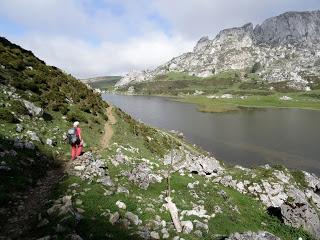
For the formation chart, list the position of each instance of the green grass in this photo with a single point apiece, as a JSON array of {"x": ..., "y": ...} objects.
[{"x": 221, "y": 105}]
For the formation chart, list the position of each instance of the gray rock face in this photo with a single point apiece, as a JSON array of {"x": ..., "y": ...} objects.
[
  {"x": 134, "y": 219},
  {"x": 33, "y": 109},
  {"x": 33, "y": 136},
  {"x": 290, "y": 27},
  {"x": 87, "y": 167},
  {"x": 143, "y": 176},
  {"x": 298, "y": 213},
  {"x": 253, "y": 236},
  {"x": 201, "y": 165},
  {"x": 313, "y": 181},
  {"x": 287, "y": 48}
]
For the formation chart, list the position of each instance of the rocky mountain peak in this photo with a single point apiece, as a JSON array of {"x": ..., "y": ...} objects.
[
  {"x": 201, "y": 44},
  {"x": 290, "y": 27}
]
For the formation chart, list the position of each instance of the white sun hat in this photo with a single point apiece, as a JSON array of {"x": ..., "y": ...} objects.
[{"x": 76, "y": 124}]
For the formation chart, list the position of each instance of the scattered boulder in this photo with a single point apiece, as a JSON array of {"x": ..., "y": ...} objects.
[
  {"x": 285, "y": 98},
  {"x": 33, "y": 109},
  {"x": 252, "y": 236},
  {"x": 142, "y": 175},
  {"x": 19, "y": 128},
  {"x": 187, "y": 226},
  {"x": 312, "y": 180},
  {"x": 105, "y": 181},
  {"x": 121, "y": 205},
  {"x": 114, "y": 218},
  {"x": 49, "y": 142},
  {"x": 33, "y": 136},
  {"x": 134, "y": 219},
  {"x": 121, "y": 189},
  {"x": 154, "y": 235}
]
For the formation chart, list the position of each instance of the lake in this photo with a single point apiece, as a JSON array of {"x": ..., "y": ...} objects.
[{"x": 290, "y": 137}]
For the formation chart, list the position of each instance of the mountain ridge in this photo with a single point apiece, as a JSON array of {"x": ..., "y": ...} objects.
[{"x": 286, "y": 47}]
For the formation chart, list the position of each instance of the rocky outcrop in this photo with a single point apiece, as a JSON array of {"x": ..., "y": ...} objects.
[
  {"x": 285, "y": 47},
  {"x": 297, "y": 212},
  {"x": 184, "y": 160},
  {"x": 253, "y": 236},
  {"x": 282, "y": 198},
  {"x": 143, "y": 175}
]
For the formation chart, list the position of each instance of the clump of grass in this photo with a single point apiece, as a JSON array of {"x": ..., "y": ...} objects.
[
  {"x": 299, "y": 178},
  {"x": 7, "y": 116}
]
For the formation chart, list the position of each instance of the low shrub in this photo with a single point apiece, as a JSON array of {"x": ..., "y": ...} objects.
[
  {"x": 47, "y": 116},
  {"x": 76, "y": 115},
  {"x": 7, "y": 116},
  {"x": 19, "y": 108}
]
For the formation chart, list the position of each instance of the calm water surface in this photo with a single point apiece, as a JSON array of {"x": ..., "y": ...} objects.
[{"x": 275, "y": 136}]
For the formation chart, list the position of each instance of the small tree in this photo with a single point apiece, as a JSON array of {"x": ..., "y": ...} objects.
[{"x": 256, "y": 66}]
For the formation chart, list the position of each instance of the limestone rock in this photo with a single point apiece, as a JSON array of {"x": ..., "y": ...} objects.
[
  {"x": 154, "y": 235},
  {"x": 33, "y": 136},
  {"x": 142, "y": 175},
  {"x": 19, "y": 128},
  {"x": 33, "y": 109},
  {"x": 187, "y": 226},
  {"x": 297, "y": 212},
  {"x": 134, "y": 219},
  {"x": 121, "y": 205},
  {"x": 114, "y": 218},
  {"x": 312, "y": 180},
  {"x": 252, "y": 236}
]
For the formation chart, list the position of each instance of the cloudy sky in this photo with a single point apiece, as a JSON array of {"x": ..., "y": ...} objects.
[{"x": 108, "y": 37}]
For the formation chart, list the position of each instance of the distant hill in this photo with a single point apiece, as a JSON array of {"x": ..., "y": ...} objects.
[{"x": 103, "y": 82}]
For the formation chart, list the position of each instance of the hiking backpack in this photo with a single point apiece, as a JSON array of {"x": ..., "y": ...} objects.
[{"x": 72, "y": 135}]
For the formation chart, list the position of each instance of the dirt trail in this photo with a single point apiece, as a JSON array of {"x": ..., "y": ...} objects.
[
  {"x": 108, "y": 132},
  {"x": 22, "y": 216}
]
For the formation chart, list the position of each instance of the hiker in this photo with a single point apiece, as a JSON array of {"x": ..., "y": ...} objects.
[{"x": 76, "y": 141}]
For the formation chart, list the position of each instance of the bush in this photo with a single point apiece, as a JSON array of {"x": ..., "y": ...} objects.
[
  {"x": 256, "y": 66},
  {"x": 59, "y": 107},
  {"x": 47, "y": 117},
  {"x": 7, "y": 116},
  {"x": 19, "y": 108},
  {"x": 76, "y": 115}
]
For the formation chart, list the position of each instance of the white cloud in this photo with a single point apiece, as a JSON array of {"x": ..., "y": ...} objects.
[
  {"x": 82, "y": 59},
  {"x": 196, "y": 18},
  {"x": 87, "y": 39}
]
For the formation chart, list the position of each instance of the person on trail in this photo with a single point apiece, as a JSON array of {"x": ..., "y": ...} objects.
[{"x": 76, "y": 141}]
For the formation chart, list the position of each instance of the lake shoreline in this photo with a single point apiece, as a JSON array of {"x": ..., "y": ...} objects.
[{"x": 208, "y": 105}]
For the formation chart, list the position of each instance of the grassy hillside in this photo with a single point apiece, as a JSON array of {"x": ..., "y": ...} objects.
[{"x": 62, "y": 98}]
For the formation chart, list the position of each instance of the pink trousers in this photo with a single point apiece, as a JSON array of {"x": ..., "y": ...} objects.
[{"x": 76, "y": 150}]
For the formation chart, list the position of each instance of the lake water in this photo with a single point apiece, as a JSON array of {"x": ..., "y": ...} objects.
[{"x": 249, "y": 138}]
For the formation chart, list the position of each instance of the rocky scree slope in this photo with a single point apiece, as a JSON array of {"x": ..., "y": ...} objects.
[
  {"x": 38, "y": 103},
  {"x": 282, "y": 48}
]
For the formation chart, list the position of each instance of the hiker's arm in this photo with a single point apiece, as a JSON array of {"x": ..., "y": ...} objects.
[{"x": 79, "y": 133}]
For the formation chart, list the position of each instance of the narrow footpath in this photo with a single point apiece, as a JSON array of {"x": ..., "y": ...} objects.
[{"x": 108, "y": 131}]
